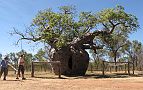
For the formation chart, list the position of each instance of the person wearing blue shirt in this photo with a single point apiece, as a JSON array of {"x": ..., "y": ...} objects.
[{"x": 4, "y": 67}]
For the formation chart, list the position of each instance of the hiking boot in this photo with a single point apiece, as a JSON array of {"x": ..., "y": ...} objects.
[
  {"x": 4, "y": 78},
  {"x": 17, "y": 78},
  {"x": 23, "y": 78}
]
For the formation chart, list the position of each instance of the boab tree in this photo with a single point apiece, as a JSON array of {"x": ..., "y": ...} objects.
[{"x": 70, "y": 34}]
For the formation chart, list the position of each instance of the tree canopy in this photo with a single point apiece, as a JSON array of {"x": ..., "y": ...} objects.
[{"x": 65, "y": 27}]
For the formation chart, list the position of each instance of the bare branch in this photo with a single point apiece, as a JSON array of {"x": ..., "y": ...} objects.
[
  {"x": 23, "y": 36},
  {"x": 113, "y": 26}
]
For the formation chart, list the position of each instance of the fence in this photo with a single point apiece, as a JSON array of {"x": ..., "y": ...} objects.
[
  {"x": 108, "y": 66},
  {"x": 51, "y": 62},
  {"x": 117, "y": 64}
]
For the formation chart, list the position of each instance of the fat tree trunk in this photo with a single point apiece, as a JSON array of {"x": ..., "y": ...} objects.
[{"x": 74, "y": 61}]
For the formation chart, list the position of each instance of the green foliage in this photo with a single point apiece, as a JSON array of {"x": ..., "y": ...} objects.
[
  {"x": 126, "y": 22},
  {"x": 53, "y": 25},
  {"x": 133, "y": 48},
  {"x": 119, "y": 24},
  {"x": 137, "y": 46},
  {"x": 58, "y": 29},
  {"x": 40, "y": 55}
]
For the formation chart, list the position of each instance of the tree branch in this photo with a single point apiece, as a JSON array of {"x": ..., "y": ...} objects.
[
  {"x": 105, "y": 26},
  {"x": 113, "y": 26}
]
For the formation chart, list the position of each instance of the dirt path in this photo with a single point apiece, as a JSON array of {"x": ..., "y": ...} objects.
[{"x": 133, "y": 83}]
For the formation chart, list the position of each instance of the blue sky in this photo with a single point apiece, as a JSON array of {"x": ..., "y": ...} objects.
[{"x": 19, "y": 13}]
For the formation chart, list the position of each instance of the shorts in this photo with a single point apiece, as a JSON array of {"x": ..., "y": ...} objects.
[
  {"x": 4, "y": 70},
  {"x": 21, "y": 68}
]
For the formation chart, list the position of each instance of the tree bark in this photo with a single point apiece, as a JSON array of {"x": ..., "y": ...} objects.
[{"x": 74, "y": 60}]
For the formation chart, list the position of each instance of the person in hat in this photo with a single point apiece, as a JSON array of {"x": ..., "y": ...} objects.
[{"x": 4, "y": 67}]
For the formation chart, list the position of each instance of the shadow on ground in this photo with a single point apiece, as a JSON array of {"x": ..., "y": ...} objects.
[
  {"x": 93, "y": 76},
  {"x": 51, "y": 77},
  {"x": 97, "y": 76}
]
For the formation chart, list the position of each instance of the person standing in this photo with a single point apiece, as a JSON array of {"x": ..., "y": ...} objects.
[
  {"x": 4, "y": 67},
  {"x": 21, "y": 67}
]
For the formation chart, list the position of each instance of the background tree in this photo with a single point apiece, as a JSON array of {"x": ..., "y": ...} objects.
[
  {"x": 140, "y": 59},
  {"x": 40, "y": 55},
  {"x": 13, "y": 59},
  {"x": 120, "y": 25},
  {"x": 69, "y": 35},
  {"x": 0, "y": 56},
  {"x": 133, "y": 50},
  {"x": 114, "y": 47},
  {"x": 98, "y": 58}
]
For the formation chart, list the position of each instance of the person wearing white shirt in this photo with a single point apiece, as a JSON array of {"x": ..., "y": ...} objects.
[{"x": 21, "y": 67}]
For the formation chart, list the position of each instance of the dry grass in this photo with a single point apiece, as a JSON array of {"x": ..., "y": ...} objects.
[{"x": 48, "y": 81}]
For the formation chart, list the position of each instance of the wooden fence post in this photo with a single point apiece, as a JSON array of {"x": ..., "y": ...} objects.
[
  {"x": 103, "y": 73},
  {"x": 129, "y": 68},
  {"x": 91, "y": 67},
  {"x": 110, "y": 68},
  {"x": 125, "y": 68},
  {"x": 32, "y": 69}
]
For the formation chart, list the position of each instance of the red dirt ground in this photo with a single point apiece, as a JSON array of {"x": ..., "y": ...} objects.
[{"x": 131, "y": 83}]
